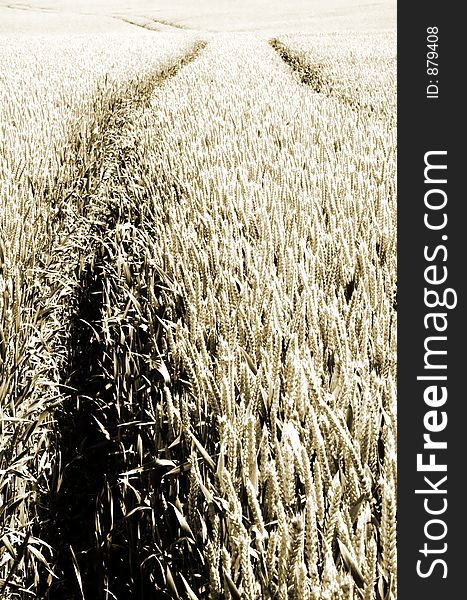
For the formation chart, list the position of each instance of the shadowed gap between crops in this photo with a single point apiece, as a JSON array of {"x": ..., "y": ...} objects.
[
  {"x": 312, "y": 75},
  {"x": 87, "y": 429}
]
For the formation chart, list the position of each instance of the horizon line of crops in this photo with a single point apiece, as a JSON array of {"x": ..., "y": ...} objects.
[{"x": 52, "y": 287}]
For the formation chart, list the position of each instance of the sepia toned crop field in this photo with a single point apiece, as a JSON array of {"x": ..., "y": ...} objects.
[{"x": 198, "y": 315}]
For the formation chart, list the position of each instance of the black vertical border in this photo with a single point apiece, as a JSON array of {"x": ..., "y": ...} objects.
[{"x": 429, "y": 125}]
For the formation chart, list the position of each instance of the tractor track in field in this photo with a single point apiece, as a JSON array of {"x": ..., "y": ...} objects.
[
  {"x": 92, "y": 556},
  {"x": 313, "y": 76},
  {"x": 153, "y": 24},
  {"x": 29, "y": 8}
]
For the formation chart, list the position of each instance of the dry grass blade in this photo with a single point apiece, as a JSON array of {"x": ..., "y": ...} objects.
[
  {"x": 77, "y": 572},
  {"x": 190, "y": 593}
]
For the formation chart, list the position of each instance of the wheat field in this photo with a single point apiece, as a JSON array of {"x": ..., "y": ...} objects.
[{"x": 198, "y": 313}]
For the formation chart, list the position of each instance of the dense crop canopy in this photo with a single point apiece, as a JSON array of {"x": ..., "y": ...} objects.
[{"x": 229, "y": 425}]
